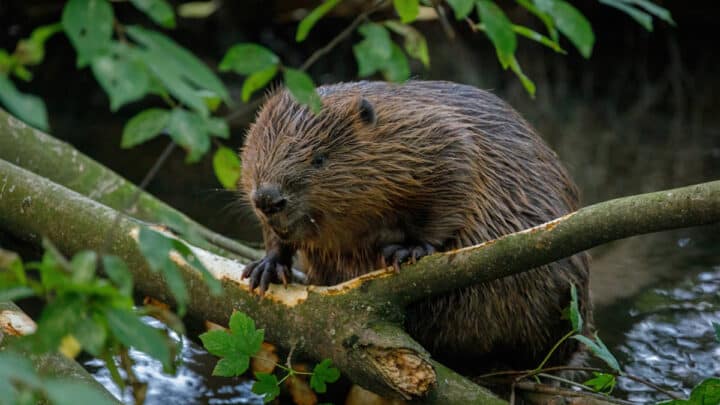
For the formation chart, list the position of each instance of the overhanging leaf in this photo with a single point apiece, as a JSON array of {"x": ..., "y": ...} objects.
[
  {"x": 88, "y": 25},
  {"x": 312, "y": 18}
]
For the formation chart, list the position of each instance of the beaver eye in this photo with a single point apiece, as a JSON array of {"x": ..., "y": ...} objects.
[{"x": 318, "y": 160}]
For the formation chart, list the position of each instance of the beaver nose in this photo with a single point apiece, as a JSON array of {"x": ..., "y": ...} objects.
[{"x": 269, "y": 200}]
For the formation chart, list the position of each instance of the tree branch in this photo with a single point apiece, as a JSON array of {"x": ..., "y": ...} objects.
[{"x": 63, "y": 164}]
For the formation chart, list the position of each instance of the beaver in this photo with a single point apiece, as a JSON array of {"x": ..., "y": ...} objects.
[{"x": 388, "y": 173}]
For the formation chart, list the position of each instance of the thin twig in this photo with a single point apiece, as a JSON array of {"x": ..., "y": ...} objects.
[
  {"x": 529, "y": 373},
  {"x": 588, "y": 397},
  {"x": 341, "y": 36}
]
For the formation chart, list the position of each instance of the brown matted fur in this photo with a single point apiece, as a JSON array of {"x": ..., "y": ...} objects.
[{"x": 424, "y": 162}]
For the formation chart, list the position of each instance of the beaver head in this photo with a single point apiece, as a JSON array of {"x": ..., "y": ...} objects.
[{"x": 321, "y": 179}]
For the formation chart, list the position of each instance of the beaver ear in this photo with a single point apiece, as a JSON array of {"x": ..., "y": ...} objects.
[{"x": 367, "y": 112}]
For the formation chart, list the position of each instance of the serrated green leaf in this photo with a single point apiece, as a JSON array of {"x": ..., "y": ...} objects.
[
  {"x": 248, "y": 58},
  {"x": 397, "y": 68},
  {"x": 158, "y": 10},
  {"x": 575, "y": 317},
  {"x": 257, "y": 81},
  {"x": 705, "y": 393},
  {"x": 415, "y": 42},
  {"x": 499, "y": 29},
  {"x": 92, "y": 334},
  {"x": 236, "y": 345},
  {"x": 72, "y": 392},
  {"x": 198, "y": 9},
  {"x": 88, "y": 25},
  {"x": 599, "y": 350},
  {"x": 461, "y": 7},
  {"x": 302, "y": 88},
  {"x": 408, "y": 10},
  {"x": 117, "y": 271},
  {"x": 312, "y": 18},
  {"x": 227, "y": 167},
  {"x": 144, "y": 126},
  {"x": 323, "y": 373},
  {"x": 267, "y": 385},
  {"x": 83, "y": 266},
  {"x": 188, "y": 130},
  {"x": 26, "y": 107},
  {"x": 602, "y": 382},
  {"x": 127, "y": 328},
  {"x": 183, "y": 63},
  {"x": 31, "y": 51}
]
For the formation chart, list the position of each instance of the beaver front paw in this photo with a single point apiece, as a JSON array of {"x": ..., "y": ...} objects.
[
  {"x": 395, "y": 255},
  {"x": 270, "y": 269}
]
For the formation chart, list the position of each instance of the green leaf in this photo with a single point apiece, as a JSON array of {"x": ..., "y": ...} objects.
[
  {"x": 267, "y": 385},
  {"x": 323, "y": 373},
  {"x": 408, "y": 10},
  {"x": 83, "y": 266},
  {"x": 652, "y": 8},
  {"x": 67, "y": 391},
  {"x": 89, "y": 25},
  {"x": 57, "y": 321},
  {"x": 185, "y": 63},
  {"x": 537, "y": 37},
  {"x": 18, "y": 367},
  {"x": 575, "y": 316},
  {"x": 144, "y": 126},
  {"x": 127, "y": 328},
  {"x": 189, "y": 130},
  {"x": 15, "y": 293},
  {"x": 236, "y": 345},
  {"x": 499, "y": 29},
  {"x": 461, "y": 7},
  {"x": 415, "y": 43},
  {"x": 92, "y": 334},
  {"x": 396, "y": 69},
  {"x": 117, "y": 271},
  {"x": 198, "y": 9},
  {"x": 602, "y": 382},
  {"x": 257, "y": 81},
  {"x": 705, "y": 393},
  {"x": 599, "y": 350},
  {"x": 158, "y": 10},
  {"x": 312, "y": 18},
  {"x": 26, "y": 107},
  {"x": 302, "y": 88},
  {"x": 31, "y": 51},
  {"x": 373, "y": 52},
  {"x": 248, "y": 58},
  {"x": 639, "y": 16},
  {"x": 571, "y": 23},
  {"x": 156, "y": 248},
  {"x": 227, "y": 167},
  {"x": 217, "y": 127},
  {"x": 187, "y": 254},
  {"x": 123, "y": 77}
]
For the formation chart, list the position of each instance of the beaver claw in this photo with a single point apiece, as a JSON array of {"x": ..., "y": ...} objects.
[
  {"x": 269, "y": 269},
  {"x": 399, "y": 254}
]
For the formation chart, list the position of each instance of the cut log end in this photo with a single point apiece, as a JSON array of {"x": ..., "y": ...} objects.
[{"x": 406, "y": 371}]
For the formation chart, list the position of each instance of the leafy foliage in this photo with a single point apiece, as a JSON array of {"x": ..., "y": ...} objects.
[
  {"x": 602, "y": 382},
  {"x": 323, "y": 373},
  {"x": 266, "y": 385},
  {"x": 235, "y": 346},
  {"x": 705, "y": 393},
  {"x": 312, "y": 18},
  {"x": 227, "y": 167}
]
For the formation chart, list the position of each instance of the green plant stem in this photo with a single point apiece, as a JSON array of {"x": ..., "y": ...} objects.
[{"x": 557, "y": 344}]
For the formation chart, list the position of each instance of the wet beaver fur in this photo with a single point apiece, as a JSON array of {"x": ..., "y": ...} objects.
[{"x": 388, "y": 173}]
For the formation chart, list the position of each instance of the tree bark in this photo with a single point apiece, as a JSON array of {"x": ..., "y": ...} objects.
[{"x": 58, "y": 161}]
